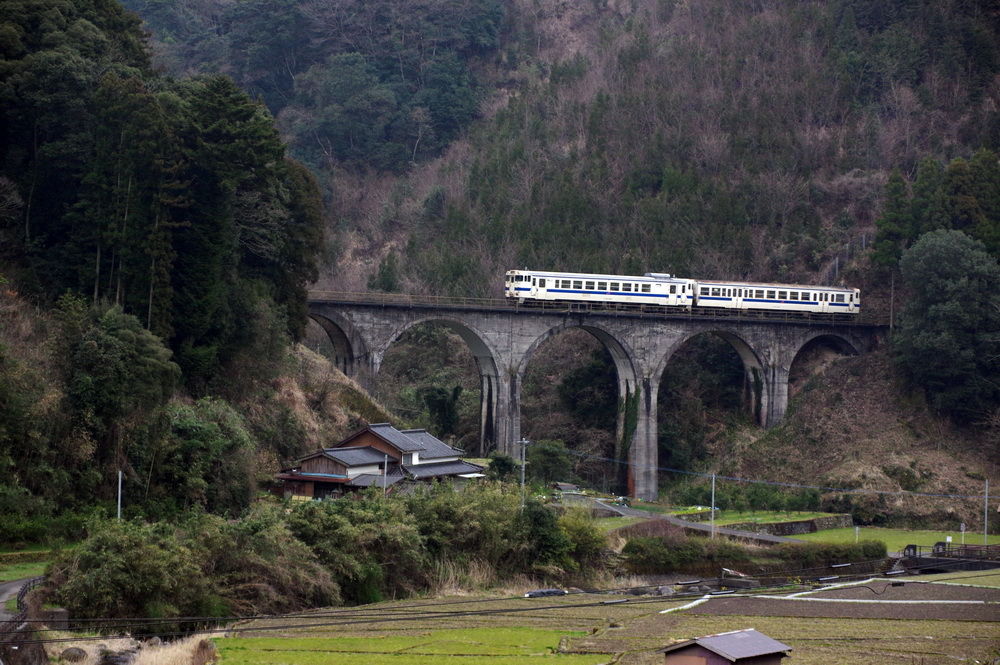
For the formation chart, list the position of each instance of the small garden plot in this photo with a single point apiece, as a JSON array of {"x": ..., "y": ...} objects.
[{"x": 19, "y": 571}]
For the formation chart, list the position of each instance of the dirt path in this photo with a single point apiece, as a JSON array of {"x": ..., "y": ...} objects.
[{"x": 7, "y": 590}]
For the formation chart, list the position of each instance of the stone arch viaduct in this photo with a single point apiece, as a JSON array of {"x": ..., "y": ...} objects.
[{"x": 503, "y": 338}]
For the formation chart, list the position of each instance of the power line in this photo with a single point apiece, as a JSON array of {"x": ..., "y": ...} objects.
[{"x": 839, "y": 490}]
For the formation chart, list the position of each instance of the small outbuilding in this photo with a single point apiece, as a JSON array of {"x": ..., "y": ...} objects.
[{"x": 746, "y": 647}]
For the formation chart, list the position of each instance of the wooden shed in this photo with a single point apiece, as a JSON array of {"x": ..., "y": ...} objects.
[{"x": 746, "y": 647}]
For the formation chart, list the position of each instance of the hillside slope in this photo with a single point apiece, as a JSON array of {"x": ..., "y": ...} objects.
[{"x": 854, "y": 425}]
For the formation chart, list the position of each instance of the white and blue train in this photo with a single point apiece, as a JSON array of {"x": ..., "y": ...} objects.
[{"x": 660, "y": 290}]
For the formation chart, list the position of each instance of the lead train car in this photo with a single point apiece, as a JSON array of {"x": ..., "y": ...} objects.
[
  {"x": 651, "y": 289},
  {"x": 534, "y": 286}
]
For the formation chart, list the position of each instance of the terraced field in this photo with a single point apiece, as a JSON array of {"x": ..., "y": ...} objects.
[{"x": 957, "y": 622}]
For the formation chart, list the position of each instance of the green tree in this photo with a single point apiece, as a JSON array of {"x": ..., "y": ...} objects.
[
  {"x": 550, "y": 461},
  {"x": 947, "y": 342},
  {"x": 894, "y": 228}
]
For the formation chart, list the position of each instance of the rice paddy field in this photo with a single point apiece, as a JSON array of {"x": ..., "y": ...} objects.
[{"x": 579, "y": 629}]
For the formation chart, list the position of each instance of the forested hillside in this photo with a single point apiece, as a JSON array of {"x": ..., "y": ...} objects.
[
  {"x": 806, "y": 142},
  {"x": 155, "y": 248},
  {"x": 157, "y": 237}
]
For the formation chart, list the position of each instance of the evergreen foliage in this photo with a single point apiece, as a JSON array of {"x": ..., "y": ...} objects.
[
  {"x": 368, "y": 84},
  {"x": 170, "y": 199},
  {"x": 947, "y": 341}
]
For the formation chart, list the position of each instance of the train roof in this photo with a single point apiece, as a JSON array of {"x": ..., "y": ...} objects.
[
  {"x": 774, "y": 285},
  {"x": 649, "y": 277}
]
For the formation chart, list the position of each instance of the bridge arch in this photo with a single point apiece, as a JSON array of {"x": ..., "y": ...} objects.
[
  {"x": 751, "y": 355},
  {"x": 487, "y": 365},
  {"x": 350, "y": 350},
  {"x": 629, "y": 380}
]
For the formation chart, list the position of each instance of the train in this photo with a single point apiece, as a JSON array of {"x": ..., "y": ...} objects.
[{"x": 665, "y": 292}]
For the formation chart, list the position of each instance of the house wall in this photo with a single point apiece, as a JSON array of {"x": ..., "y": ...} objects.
[
  {"x": 322, "y": 464},
  {"x": 366, "y": 438},
  {"x": 292, "y": 488},
  {"x": 358, "y": 470}
]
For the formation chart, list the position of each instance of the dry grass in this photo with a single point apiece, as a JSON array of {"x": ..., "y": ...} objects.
[{"x": 194, "y": 650}]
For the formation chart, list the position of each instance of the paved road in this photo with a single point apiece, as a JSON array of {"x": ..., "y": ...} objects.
[
  {"x": 625, "y": 511},
  {"x": 8, "y": 589}
]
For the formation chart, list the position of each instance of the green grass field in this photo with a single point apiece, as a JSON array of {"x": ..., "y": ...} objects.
[
  {"x": 502, "y": 646},
  {"x": 609, "y": 524},
  {"x": 17, "y": 571},
  {"x": 896, "y": 539}
]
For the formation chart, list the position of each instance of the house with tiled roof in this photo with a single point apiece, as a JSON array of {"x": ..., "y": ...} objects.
[{"x": 377, "y": 456}]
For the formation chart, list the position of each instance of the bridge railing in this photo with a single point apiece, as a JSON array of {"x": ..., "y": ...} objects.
[{"x": 405, "y": 300}]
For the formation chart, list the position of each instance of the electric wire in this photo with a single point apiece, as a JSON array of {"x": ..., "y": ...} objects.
[{"x": 838, "y": 490}]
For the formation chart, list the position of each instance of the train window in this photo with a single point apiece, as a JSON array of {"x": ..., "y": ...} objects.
[
  {"x": 759, "y": 293},
  {"x": 577, "y": 284},
  {"x": 782, "y": 295},
  {"x": 615, "y": 286},
  {"x": 602, "y": 286},
  {"x": 840, "y": 297},
  {"x": 704, "y": 290},
  {"x": 541, "y": 283},
  {"x": 770, "y": 295},
  {"x": 645, "y": 288},
  {"x": 805, "y": 296},
  {"x": 626, "y": 286},
  {"x": 793, "y": 295},
  {"x": 715, "y": 291},
  {"x": 673, "y": 289},
  {"x": 590, "y": 286}
]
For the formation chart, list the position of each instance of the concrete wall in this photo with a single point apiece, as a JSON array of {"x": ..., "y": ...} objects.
[{"x": 796, "y": 527}]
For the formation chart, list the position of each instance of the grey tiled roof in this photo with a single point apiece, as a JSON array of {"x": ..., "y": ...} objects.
[
  {"x": 355, "y": 456},
  {"x": 425, "y": 471},
  {"x": 736, "y": 644},
  {"x": 433, "y": 447},
  {"x": 396, "y": 438},
  {"x": 373, "y": 480}
]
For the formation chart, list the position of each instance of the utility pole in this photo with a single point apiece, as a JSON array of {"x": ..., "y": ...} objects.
[
  {"x": 385, "y": 473},
  {"x": 119, "y": 493},
  {"x": 712, "y": 513},
  {"x": 524, "y": 446},
  {"x": 986, "y": 512}
]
